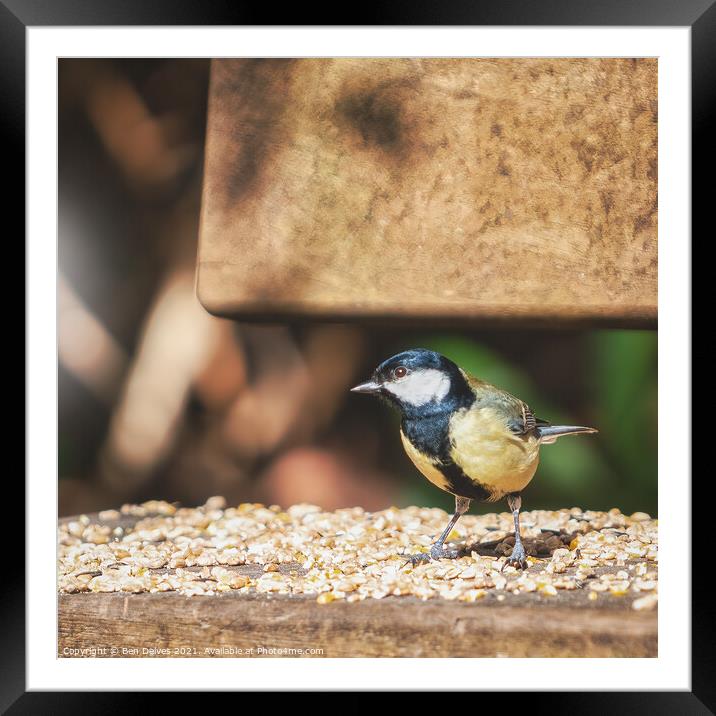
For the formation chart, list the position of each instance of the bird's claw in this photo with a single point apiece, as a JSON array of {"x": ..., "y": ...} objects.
[
  {"x": 436, "y": 552},
  {"x": 517, "y": 559}
]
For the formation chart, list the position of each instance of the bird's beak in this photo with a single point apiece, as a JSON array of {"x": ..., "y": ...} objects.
[{"x": 369, "y": 386}]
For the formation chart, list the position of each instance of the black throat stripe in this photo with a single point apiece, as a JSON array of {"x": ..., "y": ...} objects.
[
  {"x": 429, "y": 435},
  {"x": 461, "y": 485}
]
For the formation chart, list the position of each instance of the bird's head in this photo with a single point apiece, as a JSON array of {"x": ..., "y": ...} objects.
[{"x": 417, "y": 381}]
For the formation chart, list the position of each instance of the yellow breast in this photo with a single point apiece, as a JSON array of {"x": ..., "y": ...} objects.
[
  {"x": 424, "y": 464},
  {"x": 490, "y": 453}
]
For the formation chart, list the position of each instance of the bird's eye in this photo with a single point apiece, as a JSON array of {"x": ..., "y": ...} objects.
[{"x": 400, "y": 372}]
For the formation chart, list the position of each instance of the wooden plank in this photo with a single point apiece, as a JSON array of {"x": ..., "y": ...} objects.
[
  {"x": 504, "y": 621},
  {"x": 175, "y": 625},
  {"x": 441, "y": 188}
]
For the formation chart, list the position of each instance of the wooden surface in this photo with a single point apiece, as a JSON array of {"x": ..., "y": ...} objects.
[
  {"x": 394, "y": 626},
  {"x": 569, "y": 622},
  {"x": 440, "y": 188}
]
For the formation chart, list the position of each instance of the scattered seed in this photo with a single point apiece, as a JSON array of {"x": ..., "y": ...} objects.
[
  {"x": 644, "y": 603},
  {"x": 354, "y": 555}
]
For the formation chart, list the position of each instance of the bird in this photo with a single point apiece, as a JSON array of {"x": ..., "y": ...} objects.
[{"x": 465, "y": 435}]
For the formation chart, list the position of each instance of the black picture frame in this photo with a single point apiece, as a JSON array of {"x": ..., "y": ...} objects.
[{"x": 699, "y": 15}]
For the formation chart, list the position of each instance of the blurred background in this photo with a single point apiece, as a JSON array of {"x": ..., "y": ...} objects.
[{"x": 160, "y": 400}]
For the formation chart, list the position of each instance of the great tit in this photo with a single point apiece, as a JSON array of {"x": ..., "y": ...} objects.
[{"x": 466, "y": 436}]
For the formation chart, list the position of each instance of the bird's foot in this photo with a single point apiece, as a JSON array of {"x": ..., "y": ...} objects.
[
  {"x": 518, "y": 558},
  {"x": 436, "y": 552}
]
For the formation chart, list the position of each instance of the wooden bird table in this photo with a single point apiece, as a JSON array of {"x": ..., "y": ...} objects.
[
  {"x": 413, "y": 189},
  {"x": 250, "y": 581}
]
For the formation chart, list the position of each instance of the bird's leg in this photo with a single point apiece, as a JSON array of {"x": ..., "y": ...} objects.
[
  {"x": 438, "y": 551},
  {"x": 518, "y": 558}
]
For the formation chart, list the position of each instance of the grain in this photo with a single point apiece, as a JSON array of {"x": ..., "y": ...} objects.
[{"x": 352, "y": 555}]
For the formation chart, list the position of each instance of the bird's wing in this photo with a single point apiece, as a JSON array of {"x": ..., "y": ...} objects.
[
  {"x": 527, "y": 421},
  {"x": 518, "y": 415}
]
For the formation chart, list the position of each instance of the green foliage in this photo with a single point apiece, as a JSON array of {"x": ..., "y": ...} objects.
[{"x": 624, "y": 373}]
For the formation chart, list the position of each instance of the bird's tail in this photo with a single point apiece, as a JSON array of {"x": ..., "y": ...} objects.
[{"x": 549, "y": 433}]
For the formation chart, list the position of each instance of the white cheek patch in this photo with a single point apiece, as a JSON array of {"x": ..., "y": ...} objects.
[{"x": 420, "y": 387}]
